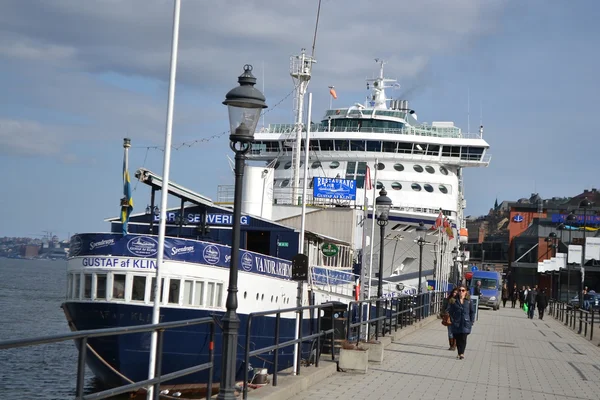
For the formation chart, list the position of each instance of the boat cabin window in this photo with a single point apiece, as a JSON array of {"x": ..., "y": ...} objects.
[
  {"x": 174, "y": 291},
  {"x": 118, "y": 286},
  {"x": 101, "y": 286},
  {"x": 87, "y": 286},
  {"x": 77, "y": 291},
  {"x": 188, "y": 291},
  {"x": 326, "y": 145},
  {"x": 199, "y": 294},
  {"x": 138, "y": 288},
  {"x": 69, "y": 286}
]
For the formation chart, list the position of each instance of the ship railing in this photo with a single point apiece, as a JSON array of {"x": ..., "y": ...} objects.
[
  {"x": 83, "y": 337},
  {"x": 423, "y": 130}
]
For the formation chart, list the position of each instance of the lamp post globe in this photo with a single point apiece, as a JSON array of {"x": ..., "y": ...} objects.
[
  {"x": 383, "y": 204},
  {"x": 244, "y": 103}
]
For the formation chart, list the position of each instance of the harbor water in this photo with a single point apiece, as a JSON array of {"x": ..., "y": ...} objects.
[{"x": 31, "y": 292}]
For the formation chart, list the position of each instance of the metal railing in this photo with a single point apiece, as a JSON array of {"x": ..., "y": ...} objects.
[
  {"x": 277, "y": 345},
  {"x": 575, "y": 318},
  {"x": 395, "y": 312},
  {"x": 83, "y": 337}
]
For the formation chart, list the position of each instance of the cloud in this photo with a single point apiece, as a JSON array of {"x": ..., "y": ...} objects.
[
  {"x": 28, "y": 138},
  {"x": 60, "y": 53}
]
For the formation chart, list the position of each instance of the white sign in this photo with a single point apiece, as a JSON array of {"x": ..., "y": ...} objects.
[
  {"x": 574, "y": 255},
  {"x": 592, "y": 248}
]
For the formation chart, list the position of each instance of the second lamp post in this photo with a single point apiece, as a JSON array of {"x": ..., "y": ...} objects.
[{"x": 383, "y": 205}]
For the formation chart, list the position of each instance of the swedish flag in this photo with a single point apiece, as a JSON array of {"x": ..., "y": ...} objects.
[{"x": 127, "y": 201}]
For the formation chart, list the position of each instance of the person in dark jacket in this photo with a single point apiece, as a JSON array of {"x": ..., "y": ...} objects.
[
  {"x": 542, "y": 302},
  {"x": 451, "y": 340},
  {"x": 504, "y": 295},
  {"x": 462, "y": 314},
  {"x": 514, "y": 296},
  {"x": 530, "y": 300}
]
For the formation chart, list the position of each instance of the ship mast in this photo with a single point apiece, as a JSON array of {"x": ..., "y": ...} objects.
[{"x": 300, "y": 70}]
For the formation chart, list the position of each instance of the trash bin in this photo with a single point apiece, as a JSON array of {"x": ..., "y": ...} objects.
[{"x": 335, "y": 318}]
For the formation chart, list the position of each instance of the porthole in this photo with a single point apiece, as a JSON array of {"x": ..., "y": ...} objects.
[
  {"x": 271, "y": 298},
  {"x": 443, "y": 170},
  {"x": 379, "y": 185},
  {"x": 396, "y": 186},
  {"x": 277, "y": 164},
  {"x": 430, "y": 169},
  {"x": 276, "y": 299},
  {"x": 443, "y": 189},
  {"x": 418, "y": 168},
  {"x": 262, "y": 297},
  {"x": 334, "y": 164},
  {"x": 285, "y": 182},
  {"x": 287, "y": 165},
  {"x": 428, "y": 187},
  {"x": 257, "y": 296},
  {"x": 399, "y": 167},
  {"x": 416, "y": 187},
  {"x": 316, "y": 164},
  {"x": 380, "y": 166},
  {"x": 245, "y": 294}
]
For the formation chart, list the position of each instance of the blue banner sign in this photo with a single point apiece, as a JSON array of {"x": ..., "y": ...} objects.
[
  {"x": 211, "y": 219},
  {"x": 589, "y": 219},
  {"x": 334, "y": 188},
  {"x": 98, "y": 247},
  {"x": 326, "y": 276}
]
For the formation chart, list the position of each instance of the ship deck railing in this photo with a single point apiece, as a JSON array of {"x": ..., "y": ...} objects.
[
  {"x": 83, "y": 336},
  {"x": 423, "y": 130}
]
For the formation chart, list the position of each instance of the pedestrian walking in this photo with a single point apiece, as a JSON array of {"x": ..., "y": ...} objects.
[
  {"x": 514, "y": 295},
  {"x": 462, "y": 315},
  {"x": 451, "y": 340},
  {"x": 530, "y": 300},
  {"x": 504, "y": 295},
  {"x": 522, "y": 297},
  {"x": 542, "y": 303}
]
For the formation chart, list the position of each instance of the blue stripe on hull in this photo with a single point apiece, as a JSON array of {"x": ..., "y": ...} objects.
[{"x": 182, "y": 347}]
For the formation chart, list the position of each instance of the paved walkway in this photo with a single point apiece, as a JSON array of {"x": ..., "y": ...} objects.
[{"x": 508, "y": 357}]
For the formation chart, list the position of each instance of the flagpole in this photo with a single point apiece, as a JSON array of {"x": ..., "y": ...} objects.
[
  {"x": 374, "y": 183},
  {"x": 164, "y": 195},
  {"x": 300, "y": 287},
  {"x": 126, "y": 189}
]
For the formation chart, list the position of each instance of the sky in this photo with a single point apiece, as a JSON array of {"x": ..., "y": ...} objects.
[{"x": 77, "y": 77}]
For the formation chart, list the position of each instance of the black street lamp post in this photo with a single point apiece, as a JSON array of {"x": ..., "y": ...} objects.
[
  {"x": 383, "y": 205},
  {"x": 245, "y": 103},
  {"x": 584, "y": 204},
  {"x": 571, "y": 218},
  {"x": 421, "y": 242},
  {"x": 551, "y": 240},
  {"x": 455, "y": 275},
  {"x": 561, "y": 228}
]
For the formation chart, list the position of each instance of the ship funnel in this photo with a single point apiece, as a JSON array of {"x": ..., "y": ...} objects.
[{"x": 257, "y": 193}]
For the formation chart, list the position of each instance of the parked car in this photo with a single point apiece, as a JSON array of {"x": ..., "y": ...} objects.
[{"x": 592, "y": 298}]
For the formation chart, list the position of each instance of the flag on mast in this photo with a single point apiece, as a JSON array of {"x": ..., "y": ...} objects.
[
  {"x": 127, "y": 201},
  {"x": 438, "y": 221},
  {"x": 368, "y": 182},
  {"x": 332, "y": 92}
]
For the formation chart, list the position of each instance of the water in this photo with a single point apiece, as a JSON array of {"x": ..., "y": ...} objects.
[{"x": 31, "y": 292}]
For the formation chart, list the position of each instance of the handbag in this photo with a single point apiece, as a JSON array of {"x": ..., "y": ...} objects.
[{"x": 446, "y": 320}]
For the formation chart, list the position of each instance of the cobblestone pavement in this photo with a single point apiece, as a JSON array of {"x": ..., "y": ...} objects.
[{"x": 508, "y": 357}]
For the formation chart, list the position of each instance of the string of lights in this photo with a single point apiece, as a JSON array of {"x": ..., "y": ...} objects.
[{"x": 215, "y": 136}]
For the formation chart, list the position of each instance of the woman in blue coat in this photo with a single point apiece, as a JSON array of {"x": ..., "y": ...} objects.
[{"x": 461, "y": 312}]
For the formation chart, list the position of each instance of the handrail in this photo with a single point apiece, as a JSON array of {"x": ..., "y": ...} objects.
[
  {"x": 277, "y": 345},
  {"x": 94, "y": 333},
  {"x": 568, "y": 314}
]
